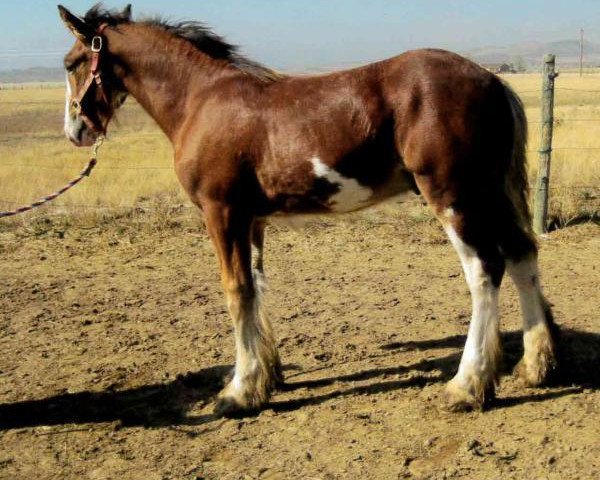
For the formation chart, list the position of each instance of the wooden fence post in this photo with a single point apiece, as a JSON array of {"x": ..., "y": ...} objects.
[{"x": 542, "y": 185}]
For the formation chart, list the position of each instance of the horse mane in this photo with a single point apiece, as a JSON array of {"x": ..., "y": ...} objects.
[{"x": 196, "y": 33}]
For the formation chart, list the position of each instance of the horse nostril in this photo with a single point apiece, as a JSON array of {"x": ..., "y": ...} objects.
[{"x": 80, "y": 134}]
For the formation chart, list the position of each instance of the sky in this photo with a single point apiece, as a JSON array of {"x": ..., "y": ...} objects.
[{"x": 307, "y": 34}]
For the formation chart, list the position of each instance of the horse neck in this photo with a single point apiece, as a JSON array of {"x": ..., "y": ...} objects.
[{"x": 162, "y": 73}]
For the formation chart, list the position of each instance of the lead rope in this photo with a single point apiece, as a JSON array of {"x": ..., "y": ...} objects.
[{"x": 85, "y": 173}]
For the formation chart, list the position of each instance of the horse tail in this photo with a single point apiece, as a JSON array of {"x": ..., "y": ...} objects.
[{"x": 517, "y": 183}]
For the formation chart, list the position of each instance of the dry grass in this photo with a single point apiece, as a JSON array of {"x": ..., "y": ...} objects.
[
  {"x": 135, "y": 168},
  {"x": 575, "y": 173}
]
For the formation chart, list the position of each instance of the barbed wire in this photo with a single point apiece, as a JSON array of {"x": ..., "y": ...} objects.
[
  {"x": 575, "y": 148},
  {"x": 164, "y": 167},
  {"x": 177, "y": 205},
  {"x": 562, "y": 120},
  {"x": 28, "y": 136},
  {"x": 57, "y": 136},
  {"x": 564, "y": 148},
  {"x": 576, "y": 90},
  {"x": 108, "y": 207},
  {"x": 31, "y": 102},
  {"x": 100, "y": 167}
]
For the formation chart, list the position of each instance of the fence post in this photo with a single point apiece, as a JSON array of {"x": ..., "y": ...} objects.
[{"x": 542, "y": 185}]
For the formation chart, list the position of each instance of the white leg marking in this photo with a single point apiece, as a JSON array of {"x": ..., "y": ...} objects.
[
  {"x": 539, "y": 350},
  {"x": 246, "y": 339},
  {"x": 260, "y": 282},
  {"x": 525, "y": 275},
  {"x": 478, "y": 364},
  {"x": 256, "y": 359},
  {"x": 244, "y": 312},
  {"x": 351, "y": 195}
]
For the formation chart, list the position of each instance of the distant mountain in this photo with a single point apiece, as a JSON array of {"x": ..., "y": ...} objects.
[
  {"x": 526, "y": 54},
  {"x": 35, "y": 74},
  {"x": 531, "y": 53}
]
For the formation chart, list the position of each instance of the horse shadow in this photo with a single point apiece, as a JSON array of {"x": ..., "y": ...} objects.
[
  {"x": 579, "y": 351},
  {"x": 170, "y": 404},
  {"x": 150, "y": 405}
]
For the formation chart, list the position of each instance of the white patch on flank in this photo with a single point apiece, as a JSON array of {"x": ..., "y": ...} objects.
[
  {"x": 351, "y": 195},
  {"x": 478, "y": 359}
]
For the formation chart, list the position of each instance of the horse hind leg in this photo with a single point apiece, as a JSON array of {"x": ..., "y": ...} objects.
[
  {"x": 539, "y": 330},
  {"x": 483, "y": 266},
  {"x": 540, "y": 333}
]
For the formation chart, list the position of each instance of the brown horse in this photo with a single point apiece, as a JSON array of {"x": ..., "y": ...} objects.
[{"x": 250, "y": 143}]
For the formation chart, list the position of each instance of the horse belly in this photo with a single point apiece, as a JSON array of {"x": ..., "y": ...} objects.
[
  {"x": 352, "y": 194},
  {"x": 329, "y": 191}
]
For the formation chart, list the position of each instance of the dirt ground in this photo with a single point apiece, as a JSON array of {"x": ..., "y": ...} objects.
[{"x": 114, "y": 341}]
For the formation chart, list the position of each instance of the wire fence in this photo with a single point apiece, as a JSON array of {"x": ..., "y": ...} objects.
[{"x": 592, "y": 191}]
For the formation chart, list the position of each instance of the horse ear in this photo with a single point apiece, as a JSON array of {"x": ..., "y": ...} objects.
[
  {"x": 77, "y": 26},
  {"x": 127, "y": 12}
]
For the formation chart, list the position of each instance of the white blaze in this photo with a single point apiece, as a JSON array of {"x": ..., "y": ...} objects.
[
  {"x": 68, "y": 126},
  {"x": 73, "y": 122},
  {"x": 351, "y": 195}
]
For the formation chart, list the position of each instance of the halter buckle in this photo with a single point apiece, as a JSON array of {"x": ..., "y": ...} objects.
[{"x": 96, "y": 44}]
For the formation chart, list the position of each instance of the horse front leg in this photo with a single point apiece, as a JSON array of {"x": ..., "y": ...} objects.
[
  {"x": 258, "y": 241},
  {"x": 257, "y": 363},
  {"x": 260, "y": 285}
]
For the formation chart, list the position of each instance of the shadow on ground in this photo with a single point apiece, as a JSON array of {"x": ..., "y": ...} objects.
[
  {"x": 558, "y": 224},
  {"x": 169, "y": 404}
]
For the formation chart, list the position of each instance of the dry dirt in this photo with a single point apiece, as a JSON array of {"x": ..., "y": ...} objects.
[{"x": 114, "y": 341}]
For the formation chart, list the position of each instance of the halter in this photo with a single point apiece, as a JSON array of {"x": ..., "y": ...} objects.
[{"x": 93, "y": 77}]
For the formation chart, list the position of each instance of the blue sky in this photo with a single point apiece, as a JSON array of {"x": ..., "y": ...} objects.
[{"x": 297, "y": 34}]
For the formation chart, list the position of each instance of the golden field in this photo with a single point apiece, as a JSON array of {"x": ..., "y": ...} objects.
[{"x": 135, "y": 165}]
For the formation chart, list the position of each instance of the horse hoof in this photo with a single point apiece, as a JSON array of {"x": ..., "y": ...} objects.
[
  {"x": 459, "y": 400},
  {"x": 229, "y": 407},
  {"x": 535, "y": 375},
  {"x": 520, "y": 373}
]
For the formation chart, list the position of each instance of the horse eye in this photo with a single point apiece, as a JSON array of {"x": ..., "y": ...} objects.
[{"x": 71, "y": 67}]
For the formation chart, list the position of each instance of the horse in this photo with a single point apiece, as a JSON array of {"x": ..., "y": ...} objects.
[{"x": 251, "y": 143}]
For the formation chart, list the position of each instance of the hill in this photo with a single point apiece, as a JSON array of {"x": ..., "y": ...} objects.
[
  {"x": 531, "y": 53},
  {"x": 527, "y": 54},
  {"x": 35, "y": 74}
]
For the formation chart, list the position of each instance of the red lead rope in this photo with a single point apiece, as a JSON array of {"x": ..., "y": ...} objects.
[{"x": 85, "y": 173}]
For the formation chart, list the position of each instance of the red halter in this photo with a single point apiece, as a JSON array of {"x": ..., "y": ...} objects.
[{"x": 94, "y": 77}]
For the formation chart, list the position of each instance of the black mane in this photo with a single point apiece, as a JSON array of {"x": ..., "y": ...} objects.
[{"x": 197, "y": 33}]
